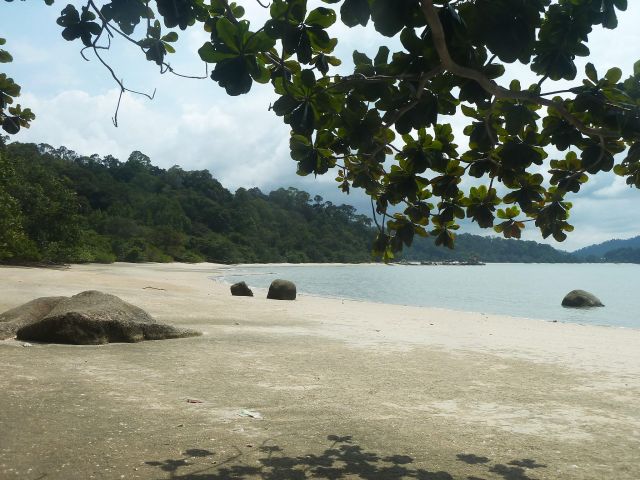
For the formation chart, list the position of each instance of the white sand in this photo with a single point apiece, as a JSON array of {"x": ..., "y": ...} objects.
[{"x": 429, "y": 384}]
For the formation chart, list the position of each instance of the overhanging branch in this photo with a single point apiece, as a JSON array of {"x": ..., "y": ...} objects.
[{"x": 439, "y": 41}]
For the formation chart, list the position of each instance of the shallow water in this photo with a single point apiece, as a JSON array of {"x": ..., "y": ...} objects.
[{"x": 521, "y": 290}]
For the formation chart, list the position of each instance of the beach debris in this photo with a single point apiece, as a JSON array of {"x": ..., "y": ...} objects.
[
  {"x": 193, "y": 400},
  {"x": 250, "y": 414},
  {"x": 27, "y": 344},
  {"x": 581, "y": 299},
  {"x": 241, "y": 289},
  {"x": 88, "y": 318},
  {"x": 282, "y": 290},
  {"x": 154, "y": 288}
]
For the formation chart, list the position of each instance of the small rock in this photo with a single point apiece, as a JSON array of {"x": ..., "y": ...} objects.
[{"x": 241, "y": 289}]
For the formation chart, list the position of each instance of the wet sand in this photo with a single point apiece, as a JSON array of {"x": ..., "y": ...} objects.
[{"x": 341, "y": 389}]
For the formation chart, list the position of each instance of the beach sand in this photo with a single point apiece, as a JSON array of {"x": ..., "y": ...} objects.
[{"x": 344, "y": 389}]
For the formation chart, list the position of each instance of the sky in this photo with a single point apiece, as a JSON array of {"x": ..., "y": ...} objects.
[{"x": 194, "y": 124}]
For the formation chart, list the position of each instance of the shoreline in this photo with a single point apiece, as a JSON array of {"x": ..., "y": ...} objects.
[
  {"x": 433, "y": 386},
  {"x": 222, "y": 279}
]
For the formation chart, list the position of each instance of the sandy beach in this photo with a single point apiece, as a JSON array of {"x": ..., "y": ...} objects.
[{"x": 315, "y": 388}]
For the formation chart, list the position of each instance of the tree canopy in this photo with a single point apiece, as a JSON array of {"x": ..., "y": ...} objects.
[
  {"x": 59, "y": 206},
  {"x": 386, "y": 127}
]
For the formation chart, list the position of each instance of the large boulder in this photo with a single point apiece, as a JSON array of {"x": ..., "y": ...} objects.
[
  {"x": 93, "y": 318},
  {"x": 282, "y": 290},
  {"x": 581, "y": 299},
  {"x": 13, "y": 320},
  {"x": 241, "y": 289}
]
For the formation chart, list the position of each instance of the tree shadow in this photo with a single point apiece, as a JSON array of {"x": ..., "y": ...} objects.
[{"x": 342, "y": 459}]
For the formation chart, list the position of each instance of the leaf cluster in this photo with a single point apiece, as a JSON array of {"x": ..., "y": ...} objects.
[{"x": 12, "y": 118}]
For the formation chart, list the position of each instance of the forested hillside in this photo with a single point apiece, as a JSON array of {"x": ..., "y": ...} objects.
[
  {"x": 622, "y": 255},
  {"x": 58, "y": 206},
  {"x": 602, "y": 250},
  {"x": 487, "y": 249}
]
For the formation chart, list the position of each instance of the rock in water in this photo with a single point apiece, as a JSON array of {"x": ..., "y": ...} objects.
[
  {"x": 241, "y": 289},
  {"x": 282, "y": 290},
  {"x": 13, "y": 320},
  {"x": 581, "y": 299},
  {"x": 93, "y": 318}
]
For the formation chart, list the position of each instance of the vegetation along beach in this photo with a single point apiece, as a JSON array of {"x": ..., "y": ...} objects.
[{"x": 319, "y": 239}]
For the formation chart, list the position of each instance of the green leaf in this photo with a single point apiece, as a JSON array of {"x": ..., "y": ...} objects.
[
  {"x": 613, "y": 75},
  {"x": 591, "y": 72},
  {"x": 209, "y": 54},
  {"x": 355, "y": 12},
  {"x": 170, "y": 37},
  {"x": 5, "y": 57},
  {"x": 233, "y": 75},
  {"x": 11, "y": 125},
  {"x": 322, "y": 17},
  {"x": 227, "y": 32}
]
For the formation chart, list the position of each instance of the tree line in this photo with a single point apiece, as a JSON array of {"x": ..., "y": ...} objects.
[{"x": 59, "y": 206}]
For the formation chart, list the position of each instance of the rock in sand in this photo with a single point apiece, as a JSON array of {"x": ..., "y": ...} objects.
[
  {"x": 282, "y": 290},
  {"x": 89, "y": 318},
  {"x": 241, "y": 289}
]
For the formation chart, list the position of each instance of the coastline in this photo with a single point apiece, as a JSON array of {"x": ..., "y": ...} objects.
[
  {"x": 427, "y": 383},
  {"x": 563, "y": 316}
]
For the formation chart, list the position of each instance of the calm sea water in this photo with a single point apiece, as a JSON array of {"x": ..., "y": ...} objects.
[{"x": 521, "y": 290}]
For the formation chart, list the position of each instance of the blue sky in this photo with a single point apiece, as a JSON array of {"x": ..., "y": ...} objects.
[{"x": 194, "y": 124}]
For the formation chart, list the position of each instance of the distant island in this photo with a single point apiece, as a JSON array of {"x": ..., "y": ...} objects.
[
  {"x": 57, "y": 206},
  {"x": 627, "y": 251}
]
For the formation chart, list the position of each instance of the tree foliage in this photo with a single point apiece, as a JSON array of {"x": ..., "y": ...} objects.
[
  {"x": 386, "y": 127},
  {"x": 58, "y": 206}
]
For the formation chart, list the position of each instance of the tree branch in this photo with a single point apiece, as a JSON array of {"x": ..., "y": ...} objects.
[{"x": 439, "y": 41}]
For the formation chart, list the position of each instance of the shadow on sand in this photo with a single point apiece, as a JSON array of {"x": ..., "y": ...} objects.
[{"x": 341, "y": 460}]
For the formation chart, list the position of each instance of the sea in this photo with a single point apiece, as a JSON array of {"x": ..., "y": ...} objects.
[{"x": 514, "y": 289}]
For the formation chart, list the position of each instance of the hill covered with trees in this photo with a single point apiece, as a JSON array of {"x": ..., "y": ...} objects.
[
  {"x": 59, "y": 206},
  {"x": 487, "y": 249},
  {"x": 614, "y": 249},
  {"x": 622, "y": 255}
]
